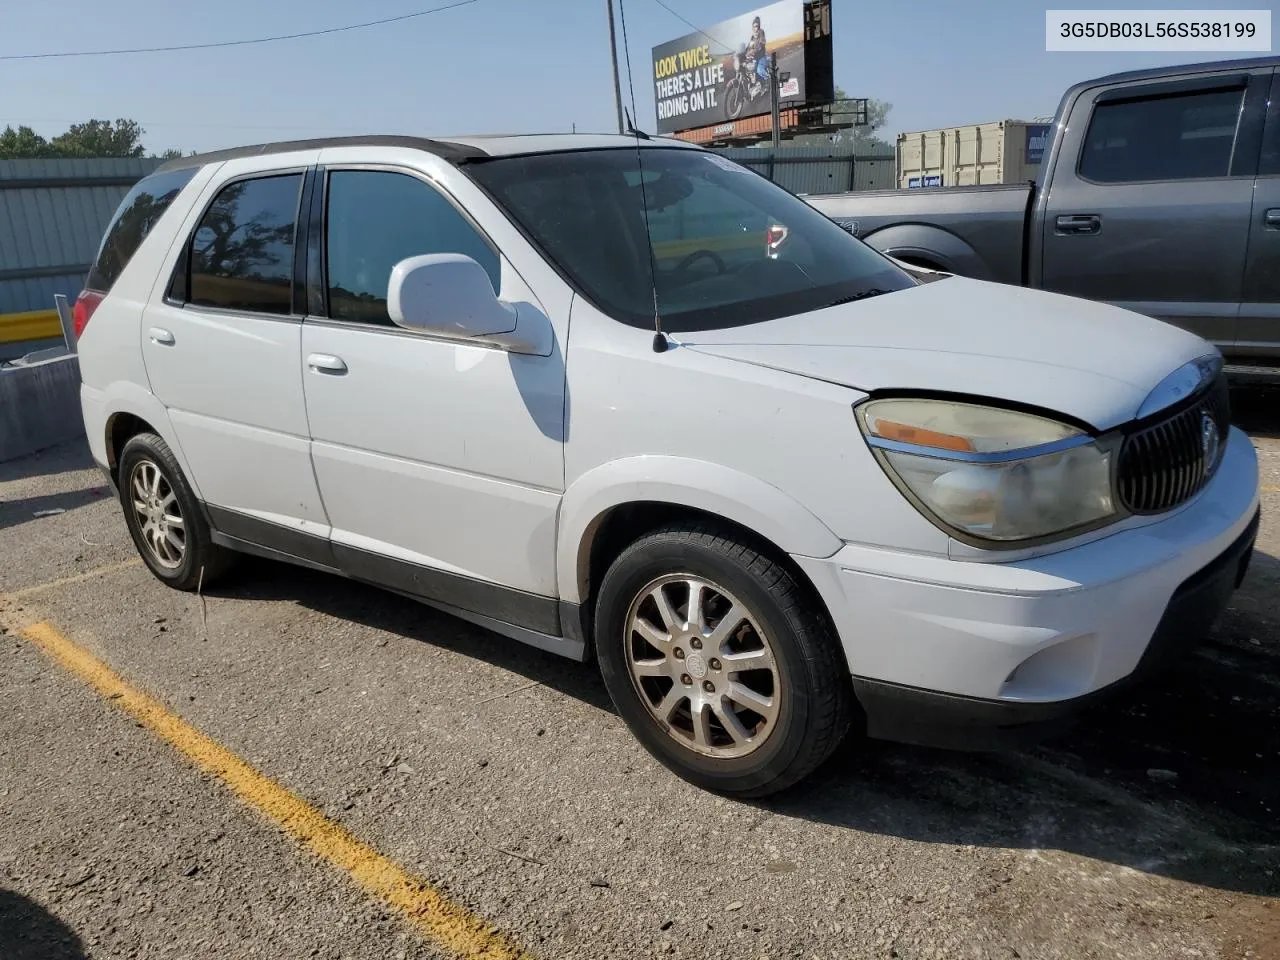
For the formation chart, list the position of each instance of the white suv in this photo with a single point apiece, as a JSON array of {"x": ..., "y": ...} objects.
[{"x": 832, "y": 491}]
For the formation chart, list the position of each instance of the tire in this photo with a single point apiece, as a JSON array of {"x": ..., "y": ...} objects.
[
  {"x": 775, "y": 622},
  {"x": 734, "y": 95},
  {"x": 157, "y": 501}
]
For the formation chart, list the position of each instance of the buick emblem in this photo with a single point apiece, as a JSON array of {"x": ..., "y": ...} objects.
[{"x": 1209, "y": 439}]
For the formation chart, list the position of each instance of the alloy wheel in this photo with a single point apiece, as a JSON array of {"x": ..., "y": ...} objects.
[
  {"x": 703, "y": 667},
  {"x": 159, "y": 516}
]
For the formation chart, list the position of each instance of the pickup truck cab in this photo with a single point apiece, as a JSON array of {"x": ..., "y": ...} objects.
[
  {"x": 830, "y": 493},
  {"x": 1159, "y": 193}
]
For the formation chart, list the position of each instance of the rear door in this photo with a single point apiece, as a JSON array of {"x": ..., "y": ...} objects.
[
  {"x": 223, "y": 351},
  {"x": 1259, "y": 335},
  {"x": 1148, "y": 205}
]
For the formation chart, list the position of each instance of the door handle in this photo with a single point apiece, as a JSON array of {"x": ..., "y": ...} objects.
[
  {"x": 1078, "y": 223},
  {"x": 1271, "y": 219},
  {"x": 161, "y": 336},
  {"x": 326, "y": 363}
]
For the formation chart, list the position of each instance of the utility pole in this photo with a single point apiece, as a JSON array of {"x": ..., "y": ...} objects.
[
  {"x": 613, "y": 53},
  {"x": 774, "y": 107}
]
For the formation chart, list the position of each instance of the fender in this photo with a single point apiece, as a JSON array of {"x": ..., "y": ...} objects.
[
  {"x": 908, "y": 240},
  {"x": 716, "y": 489},
  {"x": 101, "y": 406}
]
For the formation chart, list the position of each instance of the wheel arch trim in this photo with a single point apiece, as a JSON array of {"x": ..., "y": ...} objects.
[
  {"x": 681, "y": 482},
  {"x": 130, "y": 399}
]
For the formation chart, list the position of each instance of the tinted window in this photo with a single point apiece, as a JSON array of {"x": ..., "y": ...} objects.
[
  {"x": 375, "y": 220},
  {"x": 133, "y": 220},
  {"x": 242, "y": 252},
  {"x": 1179, "y": 137},
  {"x": 720, "y": 246}
]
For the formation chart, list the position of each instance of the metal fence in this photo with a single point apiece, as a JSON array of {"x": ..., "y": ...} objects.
[
  {"x": 52, "y": 217},
  {"x": 813, "y": 170}
]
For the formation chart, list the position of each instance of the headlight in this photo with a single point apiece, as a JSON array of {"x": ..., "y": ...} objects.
[{"x": 990, "y": 475}]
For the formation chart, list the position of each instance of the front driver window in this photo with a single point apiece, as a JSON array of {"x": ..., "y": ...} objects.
[{"x": 378, "y": 218}]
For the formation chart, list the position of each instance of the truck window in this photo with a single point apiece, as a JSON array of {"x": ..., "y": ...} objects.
[{"x": 1180, "y": 137}]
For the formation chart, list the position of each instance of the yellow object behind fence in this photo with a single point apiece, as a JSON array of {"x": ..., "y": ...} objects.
[{"x": 35, "y": 325}]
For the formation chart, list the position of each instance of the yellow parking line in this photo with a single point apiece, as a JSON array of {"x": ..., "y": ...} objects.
[
  {"x": 1270, "y": 488},
  {"x": 68, "y": 581},
  {"x": 447, "y": 924}
]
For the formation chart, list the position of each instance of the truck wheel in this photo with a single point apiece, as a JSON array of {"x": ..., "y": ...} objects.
[
  {"x": 164, "y": 517},
  {"x": 718, "y": 662}
]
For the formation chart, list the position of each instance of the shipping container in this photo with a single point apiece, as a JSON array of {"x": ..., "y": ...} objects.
[{"x": 1005, "y": 151}]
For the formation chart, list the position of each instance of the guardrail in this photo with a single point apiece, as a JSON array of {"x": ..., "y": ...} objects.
[{"x": 32, "y": 325}]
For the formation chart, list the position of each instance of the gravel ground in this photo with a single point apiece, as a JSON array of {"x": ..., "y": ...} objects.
[{"x": 501, "y": 775}]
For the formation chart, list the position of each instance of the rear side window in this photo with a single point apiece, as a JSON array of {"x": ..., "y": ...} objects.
[
  {"x": 1187, "y": 136},
  {"x": 375, "y": 220},
  {"x": 133, "y": 220},
  {"x": 241, "y": 255}
]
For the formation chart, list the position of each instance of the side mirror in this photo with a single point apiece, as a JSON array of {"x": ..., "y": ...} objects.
[{"x": 448, "y": 294}]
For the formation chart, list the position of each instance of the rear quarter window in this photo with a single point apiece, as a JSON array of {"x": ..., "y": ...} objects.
[{"x": 138, "y": 212}]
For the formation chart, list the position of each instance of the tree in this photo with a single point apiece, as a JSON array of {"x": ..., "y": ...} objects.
[
  {"x": 857, "y": 137},
  {"x": 22, "y": 144},
  {"x": 101, "y": 138},
  {"x": 93, "y": 138}
]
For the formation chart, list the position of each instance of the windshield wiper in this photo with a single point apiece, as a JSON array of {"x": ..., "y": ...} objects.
[{"x": 873, "y": 292}]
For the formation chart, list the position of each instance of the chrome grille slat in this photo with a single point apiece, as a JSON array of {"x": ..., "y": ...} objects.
[{"x": 1163, "y": 464}]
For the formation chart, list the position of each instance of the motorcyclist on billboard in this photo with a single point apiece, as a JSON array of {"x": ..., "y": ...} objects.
[{"x": 756, "y": 51}]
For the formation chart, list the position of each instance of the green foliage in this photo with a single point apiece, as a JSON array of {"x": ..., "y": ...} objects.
[
  {"x": 22, "y": 144},
  {"x": 93, "y": 138},
  {"x": 877, "y": 116}
]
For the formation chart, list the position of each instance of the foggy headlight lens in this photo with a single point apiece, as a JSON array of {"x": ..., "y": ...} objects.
[{"x": 992, "y": 474}]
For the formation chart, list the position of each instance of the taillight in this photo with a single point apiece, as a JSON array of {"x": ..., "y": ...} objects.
[{"x": 86, "y": 304}]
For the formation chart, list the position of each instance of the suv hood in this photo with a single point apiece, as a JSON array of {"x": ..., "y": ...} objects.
[{"x": 1090, "y": 361}]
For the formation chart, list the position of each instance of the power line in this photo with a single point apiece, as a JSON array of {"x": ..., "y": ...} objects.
[
  {"x": 693, "y": 26},
  {"x": 238, "y": 43}
]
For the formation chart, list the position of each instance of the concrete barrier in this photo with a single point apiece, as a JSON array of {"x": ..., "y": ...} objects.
[{"x": 39, "y": 405}]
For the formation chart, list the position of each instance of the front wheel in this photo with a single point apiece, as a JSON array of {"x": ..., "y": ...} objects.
[
  {"x": 718, "y": 662},
  {"x": 734, "y": 95}
]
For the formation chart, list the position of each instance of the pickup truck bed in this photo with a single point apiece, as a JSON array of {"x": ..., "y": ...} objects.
[{"x": 991, "y": 219}]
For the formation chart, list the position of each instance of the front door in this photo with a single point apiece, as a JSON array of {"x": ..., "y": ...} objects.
[
  {"x": 223, "y": 350},
  {"x": 1152, "y": 216},
  {"x": 440, "y": 462},
  {"x": 1260, "y": 310}
]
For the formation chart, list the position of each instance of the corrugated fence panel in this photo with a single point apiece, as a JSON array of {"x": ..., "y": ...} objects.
[
  {"x": 53, "y": 213},
  {"x": 815, "y": 170},
  {"x": 32, "y": 293}
]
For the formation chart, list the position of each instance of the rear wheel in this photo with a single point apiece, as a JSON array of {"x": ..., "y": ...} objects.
[
  {"x": 718, "y": 662},
  {"x": 164, "y": 517}
]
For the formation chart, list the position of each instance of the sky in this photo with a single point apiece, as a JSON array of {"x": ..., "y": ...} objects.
[{"x": 496, "y": 66}]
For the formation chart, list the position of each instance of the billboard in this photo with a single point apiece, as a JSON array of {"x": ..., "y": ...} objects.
[{"x": 700, "y": 80}]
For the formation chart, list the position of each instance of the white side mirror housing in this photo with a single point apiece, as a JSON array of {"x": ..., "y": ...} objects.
[{"x": 448, "y": 294}]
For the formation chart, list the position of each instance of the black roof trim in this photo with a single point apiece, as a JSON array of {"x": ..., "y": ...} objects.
[
  {"x": 453, "y": 152},
  {"x": 1178, "y": 69}
]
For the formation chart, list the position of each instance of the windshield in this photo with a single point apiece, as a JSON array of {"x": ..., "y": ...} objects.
[{"x": 723, "y": 247}]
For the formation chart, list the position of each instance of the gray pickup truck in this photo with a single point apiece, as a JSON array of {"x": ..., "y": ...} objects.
[{"x": 1159, "y": 192}]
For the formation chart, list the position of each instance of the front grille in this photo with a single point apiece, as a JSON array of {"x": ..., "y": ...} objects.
[{"x": 1169, "y": 462}]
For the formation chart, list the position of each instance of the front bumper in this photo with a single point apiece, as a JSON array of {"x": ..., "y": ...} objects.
[{"x": 948, "y": 651}]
